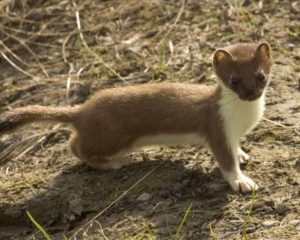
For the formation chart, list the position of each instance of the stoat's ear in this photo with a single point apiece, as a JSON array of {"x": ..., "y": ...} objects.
[
  {"x": 263, "y": 52},
  {"x": 221, "y": 57}
]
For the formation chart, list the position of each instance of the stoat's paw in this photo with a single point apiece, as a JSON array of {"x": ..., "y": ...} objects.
[
  {"x": 242, "y": 156},
  {"x": 243, "y": 184}
]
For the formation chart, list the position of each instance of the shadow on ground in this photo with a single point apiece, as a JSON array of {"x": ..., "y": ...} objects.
[{"x": 78, "y": 193}]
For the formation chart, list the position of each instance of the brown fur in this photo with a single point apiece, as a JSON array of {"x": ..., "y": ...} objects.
[{"x": 113, "y": 119}]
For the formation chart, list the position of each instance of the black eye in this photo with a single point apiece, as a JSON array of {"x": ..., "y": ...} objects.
[
  {"x": 261, "y": 77},
  {"x": 234, "y": 81}
]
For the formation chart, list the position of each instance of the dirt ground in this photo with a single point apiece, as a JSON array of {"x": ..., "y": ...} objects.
[{"x": 44, "y": 60}]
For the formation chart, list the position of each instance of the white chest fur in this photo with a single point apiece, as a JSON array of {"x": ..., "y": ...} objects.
[{"x": 239, "y": 117}]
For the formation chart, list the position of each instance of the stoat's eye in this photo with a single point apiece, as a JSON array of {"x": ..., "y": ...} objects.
[
  {"x": 234, "y": 82},
  {"x": 261, "y": 77}
]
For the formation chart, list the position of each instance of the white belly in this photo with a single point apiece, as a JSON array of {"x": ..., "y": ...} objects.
[{"x": 169, "y": 139}]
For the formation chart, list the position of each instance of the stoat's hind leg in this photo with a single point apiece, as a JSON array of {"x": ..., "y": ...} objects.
[
  {"x": 75, "y": 147},
  {"x": 115, "y": 161},
  {"x": 242, "y": 156},
  {"x": 93, "y": 150}
]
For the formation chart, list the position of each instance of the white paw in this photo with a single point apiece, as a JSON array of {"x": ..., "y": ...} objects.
[
  {"x": 242, "y": 156},
  {"x": 239, "y": 182},
  {"x": 243, "y": 184}
]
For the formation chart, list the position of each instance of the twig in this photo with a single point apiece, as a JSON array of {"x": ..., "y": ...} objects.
[
  {"x": 69, "y": 80},
  {"x": 276, "y": 123},
  {"x": 12, "y": 147},
  {"x": 16, "y": 67},
  {"x": 171, "y": 28},
  {"x": 92, "y": 52},
  {"x": 102, "y": 231},
  {"x": 71, "y": 66},
  {"x": 37, "y": 142},
  {"x": 30, "y": 39},
  {"x": 13, "y": 54},
  {"x": 28, "y": 49},
  {"x": 64, "y": 47},
  {"x": 115, "y": 201},
  {"x": 5, "y": 3},
  {"x": 281, "y": 125}
]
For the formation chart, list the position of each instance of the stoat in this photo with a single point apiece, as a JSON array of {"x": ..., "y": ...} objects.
[{"x": 116, "y": 121}]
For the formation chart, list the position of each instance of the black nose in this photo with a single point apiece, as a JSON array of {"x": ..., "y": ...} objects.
[{"x": 252, "y": 97}]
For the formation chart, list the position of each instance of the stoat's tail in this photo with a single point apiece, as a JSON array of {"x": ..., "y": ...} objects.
[{"x": 18, "y": 117}]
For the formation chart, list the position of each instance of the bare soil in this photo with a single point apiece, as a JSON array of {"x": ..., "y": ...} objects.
[{"x": 44, "y": 60}]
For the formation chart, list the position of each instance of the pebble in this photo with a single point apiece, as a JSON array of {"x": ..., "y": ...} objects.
[
  {"x": 268, "y": 209},
  {"x": 270, "y": 203},
  {"x": 282, "y": 209},
  {"x": 270, "y": 223},
  {"x": 161, "y": 206},
  {"x": 251, "y": 229},
  {"x": 295, "y": 222},
  {"x": 144, "y": 197},
  {"x": 256, "y": 205}
]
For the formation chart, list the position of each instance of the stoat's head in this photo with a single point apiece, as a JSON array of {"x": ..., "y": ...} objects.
[{"x": 244, "y": 68}]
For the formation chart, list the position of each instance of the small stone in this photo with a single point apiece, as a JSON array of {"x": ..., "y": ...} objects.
[
  {"x": 295, "y": 222},
  {"x": 256, "y": 205},
  {"x": 161, "y": 206},
  {"x": 292, "y": 181},
  {"x": 250, "y": 229},
  {"x": 268, "y": 209},
  {"x": 144, "y": 197},
  {"x": 281, "y": 209},
  {"x": 270, "y": 203},
  {"x": 270, "y": 223}
]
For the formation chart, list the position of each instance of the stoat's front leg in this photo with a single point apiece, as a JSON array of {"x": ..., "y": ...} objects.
[{"x": 230, "y": 167}]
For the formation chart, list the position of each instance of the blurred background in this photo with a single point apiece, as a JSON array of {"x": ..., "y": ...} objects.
[
  {"x": 59, "y": 52},
  {"x": 44, "y": 56}
]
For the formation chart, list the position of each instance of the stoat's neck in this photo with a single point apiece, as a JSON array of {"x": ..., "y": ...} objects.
[{"x": 239, "y": 117}]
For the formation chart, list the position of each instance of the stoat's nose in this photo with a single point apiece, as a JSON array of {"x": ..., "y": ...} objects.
[{"x": 252, "y": 97}]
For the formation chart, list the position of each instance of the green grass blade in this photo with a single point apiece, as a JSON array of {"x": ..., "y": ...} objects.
[
  {"x": 247, "y": 218},
  {"x": 184, "y": 219},
  {"x": 42, "y": 230},
  {"x": 212, "y": 234}
]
